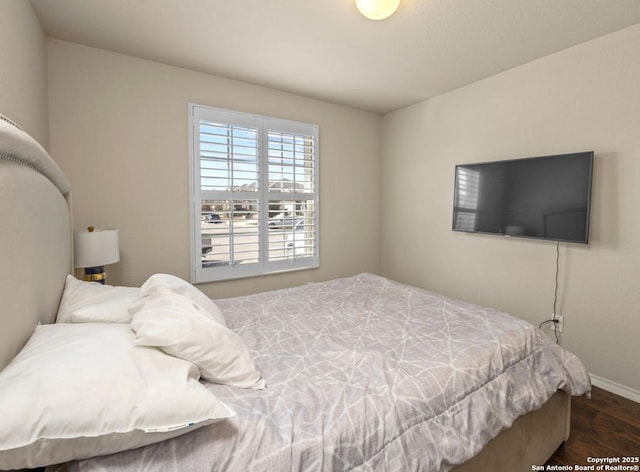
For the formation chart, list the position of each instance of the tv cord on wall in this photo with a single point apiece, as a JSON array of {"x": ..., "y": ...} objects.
[{"x": 555, "y": 297}]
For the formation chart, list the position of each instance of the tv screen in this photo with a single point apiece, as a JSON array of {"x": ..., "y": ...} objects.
[{"x": 545, "y": 197}]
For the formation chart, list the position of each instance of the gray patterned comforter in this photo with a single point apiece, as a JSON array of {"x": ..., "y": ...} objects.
[{"x": 364, "y": 373}]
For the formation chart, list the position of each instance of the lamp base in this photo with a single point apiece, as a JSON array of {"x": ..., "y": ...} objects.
[{"x": 95, "y": 274}]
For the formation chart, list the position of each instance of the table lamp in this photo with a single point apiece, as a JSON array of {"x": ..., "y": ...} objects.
[{"x": 93, "y": 249}]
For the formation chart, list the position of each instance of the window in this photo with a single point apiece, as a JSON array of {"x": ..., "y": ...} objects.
[{"x": 254, "y": 194}]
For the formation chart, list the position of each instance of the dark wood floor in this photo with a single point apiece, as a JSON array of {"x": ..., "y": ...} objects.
[{"x": 605, "y": 426}]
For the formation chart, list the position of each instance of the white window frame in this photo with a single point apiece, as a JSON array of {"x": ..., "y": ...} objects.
[{"x": 200, "y": 274}]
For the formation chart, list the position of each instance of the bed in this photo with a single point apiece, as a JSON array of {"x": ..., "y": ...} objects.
[{"x": 361, "y": 373}]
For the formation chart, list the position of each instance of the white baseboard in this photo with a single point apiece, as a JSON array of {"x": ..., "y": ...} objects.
[{"x": 615, "y": 387}]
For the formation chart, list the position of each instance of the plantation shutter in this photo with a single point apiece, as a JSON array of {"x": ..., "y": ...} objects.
[{"x": 254, "y": 194}]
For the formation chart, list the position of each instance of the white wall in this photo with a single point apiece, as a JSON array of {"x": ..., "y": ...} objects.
[
  {"x": 119, "y": 132},
  {"x": 583, "y": 98},
  {"x": 23, "y": 69}
]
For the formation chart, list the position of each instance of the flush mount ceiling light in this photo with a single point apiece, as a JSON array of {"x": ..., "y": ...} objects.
[{"x": 377, "y": 9}]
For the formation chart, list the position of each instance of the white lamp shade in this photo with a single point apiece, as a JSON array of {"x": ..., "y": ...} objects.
[
  {"x": 377, "y": 9},
  {"x": 96, "y": 248}
]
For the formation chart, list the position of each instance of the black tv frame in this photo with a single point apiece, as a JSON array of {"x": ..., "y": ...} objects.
[{"x": 586, "y": 154}]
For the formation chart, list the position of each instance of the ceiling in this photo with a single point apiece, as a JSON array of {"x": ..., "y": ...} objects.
[{"x": 325, "y": 49}]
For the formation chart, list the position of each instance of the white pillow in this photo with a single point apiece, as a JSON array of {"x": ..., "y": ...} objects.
[
  {"x": 91, "y": 302},
  {"x": 177, "y": 285},
  {"x": 181, "y": 327},
  {"x": 82, "y": 390}
]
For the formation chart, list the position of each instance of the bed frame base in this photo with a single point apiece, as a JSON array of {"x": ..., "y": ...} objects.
[{"x": 531, "y": 440}]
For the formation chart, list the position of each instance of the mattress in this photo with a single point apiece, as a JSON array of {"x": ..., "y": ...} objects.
[{"x": 365, "y": 373}]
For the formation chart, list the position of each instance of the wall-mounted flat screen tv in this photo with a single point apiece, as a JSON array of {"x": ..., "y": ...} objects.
[{"x": 547, "y": 197}]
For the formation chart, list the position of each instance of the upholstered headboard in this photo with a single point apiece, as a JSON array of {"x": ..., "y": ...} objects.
[{"x": 35, "y": 240}]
